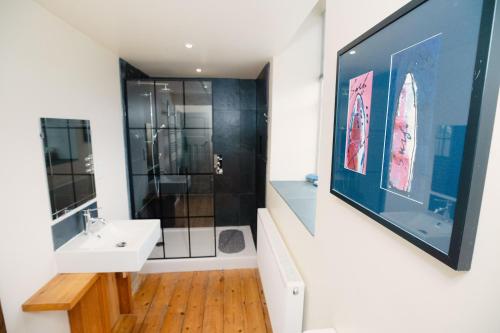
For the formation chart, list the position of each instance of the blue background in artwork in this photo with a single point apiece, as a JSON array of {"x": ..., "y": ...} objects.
[{"x": 458, "y": 21}]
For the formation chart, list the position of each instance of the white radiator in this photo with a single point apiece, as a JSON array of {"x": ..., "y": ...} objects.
[{"x": 282, "y": 283}]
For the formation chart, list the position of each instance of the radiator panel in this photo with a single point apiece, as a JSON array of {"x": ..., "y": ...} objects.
[{"x": 282, "y": 283}]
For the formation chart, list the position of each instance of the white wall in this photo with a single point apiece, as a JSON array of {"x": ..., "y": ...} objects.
[
  {"x": 48, "y": 69},
  {"x": 360, "y": 277},
  {"x": 295, "y": 105}
]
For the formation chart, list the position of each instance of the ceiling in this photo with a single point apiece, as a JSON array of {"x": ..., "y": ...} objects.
[{"x": 231, "y": 38}]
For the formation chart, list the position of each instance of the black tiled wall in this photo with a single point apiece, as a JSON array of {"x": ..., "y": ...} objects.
[
  {"x": 234, "y": 111},
  {"x": 262, "y": 98}
]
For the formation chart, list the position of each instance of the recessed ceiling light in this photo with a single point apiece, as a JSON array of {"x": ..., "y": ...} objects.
[
  {"x": 198, "y": 70},
  {"x": 188, "y": 45},
  {"x": 352, "y": 52}
]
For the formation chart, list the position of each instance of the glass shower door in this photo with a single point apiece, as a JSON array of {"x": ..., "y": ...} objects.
[
  {"x": 142, "y": 153},
  {"x": 176, "y": 179},
  {"x": 198, "y": 136}
]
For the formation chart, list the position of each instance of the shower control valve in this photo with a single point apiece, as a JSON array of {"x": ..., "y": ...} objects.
[{"x": 218, "y": 164}]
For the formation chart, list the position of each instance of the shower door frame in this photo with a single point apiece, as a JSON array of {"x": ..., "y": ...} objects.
[{"x": 130, "y": 173}]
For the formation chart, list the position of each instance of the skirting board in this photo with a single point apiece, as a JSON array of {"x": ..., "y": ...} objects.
[{"x": 198, "y": 264}]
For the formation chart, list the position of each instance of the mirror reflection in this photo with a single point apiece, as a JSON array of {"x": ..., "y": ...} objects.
[{"x": 69, "y": 163}]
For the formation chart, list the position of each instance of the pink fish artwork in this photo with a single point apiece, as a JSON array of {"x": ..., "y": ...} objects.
[
  {"x": 404, "y": 137},
  {"x": 358, "y": 122}
]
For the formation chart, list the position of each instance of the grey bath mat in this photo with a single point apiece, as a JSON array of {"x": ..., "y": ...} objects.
[{"x": 231, "y": 241}]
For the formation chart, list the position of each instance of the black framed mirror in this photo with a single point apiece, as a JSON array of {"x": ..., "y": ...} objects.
[{"x": 67, "y": 146}]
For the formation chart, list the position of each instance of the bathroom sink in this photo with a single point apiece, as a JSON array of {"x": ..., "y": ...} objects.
[{"x": 117, "y": 246}]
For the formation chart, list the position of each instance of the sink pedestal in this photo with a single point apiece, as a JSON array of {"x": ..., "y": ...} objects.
[
  {"x": 95, "y": 302},
  {"x": 97, "y": 299}
]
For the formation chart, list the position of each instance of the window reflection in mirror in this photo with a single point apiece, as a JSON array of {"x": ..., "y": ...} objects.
[{"x": 69, "y": 163}]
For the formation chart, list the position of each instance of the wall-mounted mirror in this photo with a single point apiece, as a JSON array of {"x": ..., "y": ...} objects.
[{"x": 67, "y": 148}]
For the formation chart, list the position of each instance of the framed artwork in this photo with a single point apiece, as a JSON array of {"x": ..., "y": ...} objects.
[{"x": 414, "y": 109}]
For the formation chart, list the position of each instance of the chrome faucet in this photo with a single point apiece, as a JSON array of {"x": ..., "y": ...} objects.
[{"x": 89, "y": 220}]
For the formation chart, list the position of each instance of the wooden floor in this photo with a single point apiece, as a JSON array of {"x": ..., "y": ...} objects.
[
  {"x": 209, "y": 302},
  {"x": 2, "y": 323}
]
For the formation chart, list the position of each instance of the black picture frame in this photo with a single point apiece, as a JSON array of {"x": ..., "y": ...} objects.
[{"x": 483, "y": 102}]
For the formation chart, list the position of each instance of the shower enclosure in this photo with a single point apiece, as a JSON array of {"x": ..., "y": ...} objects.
[
  {"x": 171, "y": 163},
  {"x": 196, "y": 152}
]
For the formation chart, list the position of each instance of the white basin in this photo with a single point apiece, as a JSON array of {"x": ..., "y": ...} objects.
[{"x": 98, "y": 251}]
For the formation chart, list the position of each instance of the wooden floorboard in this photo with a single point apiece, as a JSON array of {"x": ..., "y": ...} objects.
[
  {"x": 3, "y": 329},
  {"x": 255, "y": 322},
  {"x": 158, "y": 310},
  {"x": 263, "y": 302},
  {"x": 125, "y": 324},
  {"x": 234, "y": 312},
  {"x": 176, "y": 312},
  {"x": 144, "y": 297},
  {"x": 193, "y": 321},
  {"x": 213, "y": 320},
  {"x": 230, "y": 301}
]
